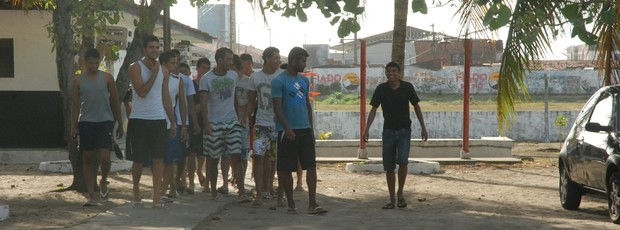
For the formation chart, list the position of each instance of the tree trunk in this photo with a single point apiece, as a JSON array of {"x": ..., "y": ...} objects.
[
  {"x": 65, "y": 52},
  {"x": 148, "y": 17},
  {"x": 401, "y": 8}
]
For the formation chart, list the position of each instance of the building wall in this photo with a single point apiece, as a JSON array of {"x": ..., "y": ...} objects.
[
  {"x": 443, "y": 53},
  {"x": 377, "y": 53},
  {"x": 35, "y": 66},
  {"x": 30, "y": 100},
  {"x": 527, "y": 125},
  {"x": 483, "y": 80},
  {"x": 213, "y": 19}
]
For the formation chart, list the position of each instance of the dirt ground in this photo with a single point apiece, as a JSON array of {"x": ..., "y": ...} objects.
[{"x": 520, "y": 196}]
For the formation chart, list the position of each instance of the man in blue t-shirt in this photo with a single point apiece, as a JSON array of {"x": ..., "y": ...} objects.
[
  {"x": 394, "y": 97},
  {"x": 291, "y": 105}
]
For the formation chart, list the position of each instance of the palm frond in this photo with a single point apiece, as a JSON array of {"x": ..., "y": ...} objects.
[
  {"x": 471, "y": 17},
  {"x": 608, "y": 43},
  {"x": 528, "y": 40},
  {"x": 529, "y": 36}
]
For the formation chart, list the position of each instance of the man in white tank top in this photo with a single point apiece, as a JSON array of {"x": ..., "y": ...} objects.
[
  {"x": 95, "y": 103},
  {"x": 146, "y": 131}
]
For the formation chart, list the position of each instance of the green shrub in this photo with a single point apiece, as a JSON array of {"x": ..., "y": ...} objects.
[{"x": 339, "y": 98}]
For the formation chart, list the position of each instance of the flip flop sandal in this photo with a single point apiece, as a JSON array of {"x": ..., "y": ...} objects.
[
  {"x": 401, "y": 203},
  {"x": 105, "y": 195},
  {"x": 165, "y": 199},
  {"x": 388, "y": 206},
  {"x": 281, "y": 203},
  {"x": 137, "y": 204},
  {"x": 291, "y": 211},
  {"x": 317, "y": 210},
  {"x": 299, "y": 188},
  {"x": 91, "y": 203}
]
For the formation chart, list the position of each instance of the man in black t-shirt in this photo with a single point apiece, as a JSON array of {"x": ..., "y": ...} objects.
[{"x": 394, "y": 97}]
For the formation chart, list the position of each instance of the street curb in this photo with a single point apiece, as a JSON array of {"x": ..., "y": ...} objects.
[{"x": 414, "y": 167}]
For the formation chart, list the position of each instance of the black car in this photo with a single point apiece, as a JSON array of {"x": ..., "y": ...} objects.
[{"x": 589, "y": 159}]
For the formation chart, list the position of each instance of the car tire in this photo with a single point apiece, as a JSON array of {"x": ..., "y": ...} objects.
[
  {"x": 570, "y": 193},
  {"x": 613, "y": 201}
]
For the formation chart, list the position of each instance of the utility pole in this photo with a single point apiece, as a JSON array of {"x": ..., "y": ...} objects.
[
  {"x": 433, "y": 33},
  {"x": 355, "y": 45},
  {"x": 233, "y": 26}
]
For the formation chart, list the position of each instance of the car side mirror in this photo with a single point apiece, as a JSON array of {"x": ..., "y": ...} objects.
[{"x": 596, "y": 127}]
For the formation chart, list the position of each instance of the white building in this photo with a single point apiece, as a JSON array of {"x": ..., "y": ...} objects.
[{"x": 30, "y": 98}]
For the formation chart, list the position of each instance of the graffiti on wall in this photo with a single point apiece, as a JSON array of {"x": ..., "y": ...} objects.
[{"x": 483, "y": 80}]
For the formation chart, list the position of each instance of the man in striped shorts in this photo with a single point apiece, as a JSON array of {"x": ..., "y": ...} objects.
[{"x": 222, "y": 131}]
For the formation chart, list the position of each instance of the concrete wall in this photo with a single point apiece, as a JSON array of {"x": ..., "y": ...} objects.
[
  {"x": 483, "y": 80},
  {"x": 527, "y": 126},
  {"x": 35, "y": 65}
]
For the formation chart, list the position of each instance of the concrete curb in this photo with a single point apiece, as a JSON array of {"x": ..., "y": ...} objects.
[
  {"x": 4, "y": 212},
  {"x": 414, "y": 167}
]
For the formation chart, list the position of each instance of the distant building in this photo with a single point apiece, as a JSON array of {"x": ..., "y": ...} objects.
[
  {"x": 436, "y": 54},
  {"x": 581, "y": 52},
  {"x": 319, "y": 54},
  {"x": 215, "y": 19},
  {"x": 423, "y": 48}
]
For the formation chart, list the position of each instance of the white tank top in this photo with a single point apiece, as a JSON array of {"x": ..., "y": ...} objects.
[
  {"x": 150, "y": 107},
  {"x": 173, "y": 89}
]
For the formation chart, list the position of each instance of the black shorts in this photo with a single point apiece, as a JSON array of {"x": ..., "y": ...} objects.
[
  {"x": 95, "y": 135},
  {"x": 146, "y": 139},
  {"x": 291, "y": 151}
]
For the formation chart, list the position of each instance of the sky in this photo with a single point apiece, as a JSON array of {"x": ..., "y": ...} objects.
[{"x": 286, "y": 33}]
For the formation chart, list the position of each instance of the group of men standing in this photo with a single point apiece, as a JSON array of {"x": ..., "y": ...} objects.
[
  {"x": 215, "y": 124},
  {"x": 175, "y": 120}
]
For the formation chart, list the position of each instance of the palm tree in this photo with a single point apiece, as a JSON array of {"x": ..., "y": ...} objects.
[{"x": 401, "y": 8}]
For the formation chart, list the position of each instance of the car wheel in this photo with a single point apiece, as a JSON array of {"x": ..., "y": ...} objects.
[
  {"x": 613, "y": 201},
  {"x": 570, "y": 193}
]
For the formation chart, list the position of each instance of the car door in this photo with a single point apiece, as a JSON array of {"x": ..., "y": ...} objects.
[
  {"x": 574, "y": 142},
  {"x": 595, "y": 146}
]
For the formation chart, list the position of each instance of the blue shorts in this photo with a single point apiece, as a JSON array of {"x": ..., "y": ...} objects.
[
  {"x": 174, "y": 148},
  {"x": 396, "y": 144},
  {"x": 95, "y": 135}
]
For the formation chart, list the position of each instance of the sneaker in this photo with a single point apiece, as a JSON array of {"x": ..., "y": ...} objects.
[
  {"x": 244, "y": 199},
  {"x": 223, "y": 190},
  {"x": 165, "y": 199},
  {"x": 266, "y": 195}
]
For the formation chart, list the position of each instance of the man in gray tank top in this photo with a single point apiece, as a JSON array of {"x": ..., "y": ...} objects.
[
  {"x": 146, "y": 131},
  {"x": 92, "y": 119}
]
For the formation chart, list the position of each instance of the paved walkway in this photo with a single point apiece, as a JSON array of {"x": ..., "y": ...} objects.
[{"x": 185, "y": 213}]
